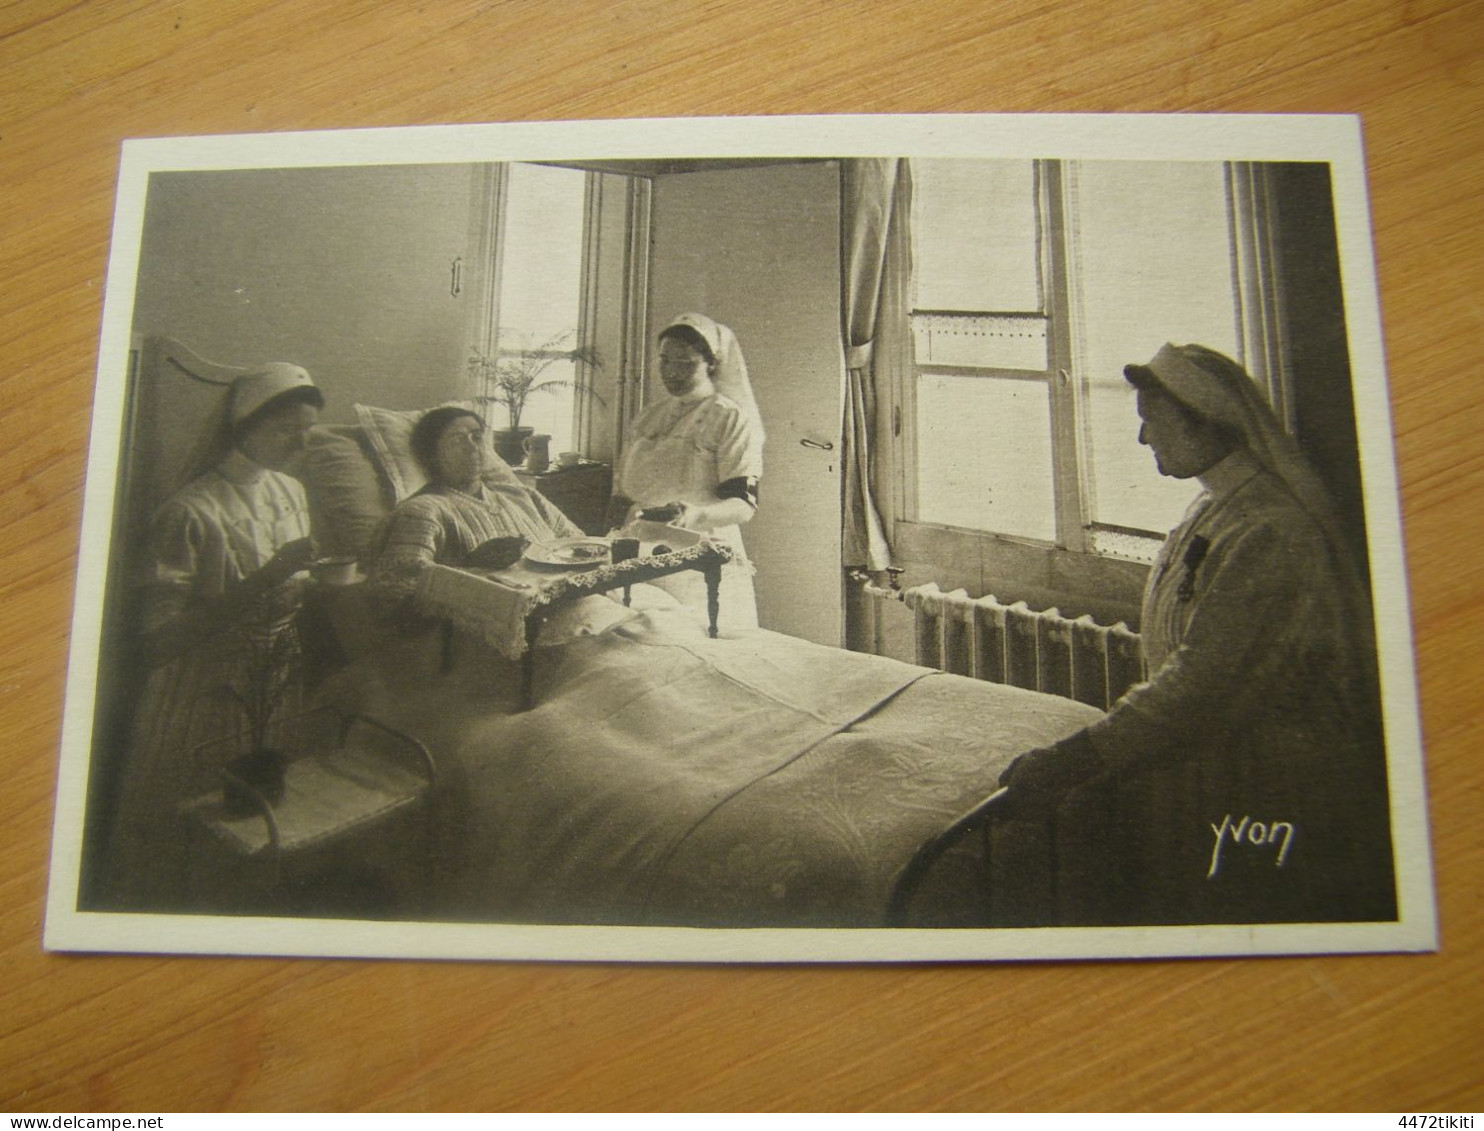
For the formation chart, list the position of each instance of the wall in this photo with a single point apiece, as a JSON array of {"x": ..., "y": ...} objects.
[
  {"x": 344, "y": 271},
  {"x": 1315, "y": 336}
]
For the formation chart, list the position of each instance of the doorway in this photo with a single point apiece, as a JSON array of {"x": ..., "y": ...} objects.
[{"x": 759, "y": 249}]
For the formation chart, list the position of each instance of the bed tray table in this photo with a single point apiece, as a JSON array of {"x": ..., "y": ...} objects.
[{"x": 507, "y": 607}]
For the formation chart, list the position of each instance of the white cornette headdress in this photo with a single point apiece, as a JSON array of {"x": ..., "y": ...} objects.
[
  {"x": 244, "y": 396},
  {"x": 252, "y": 391},
  {"x": 1219, "y": 389},
  {"x": 731, "y": 379}
]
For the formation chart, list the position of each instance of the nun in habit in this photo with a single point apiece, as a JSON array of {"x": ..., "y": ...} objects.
[
  {"x": 219, "y": 600},
  {"x": 1245, "y": 780},
  {"x": 694, "y": 458}
]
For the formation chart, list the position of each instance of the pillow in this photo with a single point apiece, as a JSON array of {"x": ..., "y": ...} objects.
[
  {"x": 389, "y": 433},
  {"x": 347, "y": 499}
]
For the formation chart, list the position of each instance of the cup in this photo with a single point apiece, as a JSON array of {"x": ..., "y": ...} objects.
[
  {"x": 538, "y": 452},
  {"x": 338, "y": 570}
]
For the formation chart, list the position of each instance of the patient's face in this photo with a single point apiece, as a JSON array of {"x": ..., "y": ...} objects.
[
  {"x": 683, "y": 369},
  {"x": 459, "y": 457}
]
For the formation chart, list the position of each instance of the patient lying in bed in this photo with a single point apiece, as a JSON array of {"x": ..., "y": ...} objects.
[
  {"x": 662, "y": 776},
  {"x": 471, "y": 511},
  {"x": 459, "y": 511}
]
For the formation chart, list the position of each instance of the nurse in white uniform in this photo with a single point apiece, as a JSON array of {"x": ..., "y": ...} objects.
[{"x": 694, "y": 457}]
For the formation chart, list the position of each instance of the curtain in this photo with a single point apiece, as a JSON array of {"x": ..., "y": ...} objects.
[{"x": 874, "y": 201}]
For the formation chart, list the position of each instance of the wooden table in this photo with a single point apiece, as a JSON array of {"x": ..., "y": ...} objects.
[
  {"x": 146, "y": 1034},
  {"x": 580, "y": 492}
]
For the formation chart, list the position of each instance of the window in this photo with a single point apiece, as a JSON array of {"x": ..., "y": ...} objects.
[
  {"x": 541, "y": 266},
  {"x": 1034, "y": 283},
  {"x": 979, "y": 335}
]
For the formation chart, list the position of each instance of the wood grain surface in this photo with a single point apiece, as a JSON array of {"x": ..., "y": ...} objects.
[{"x": 155, "y": 1034}]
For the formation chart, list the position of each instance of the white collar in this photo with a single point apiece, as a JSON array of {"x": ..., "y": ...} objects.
[
  {"x": 237, "y": 468},
  {"x": 1224, "y": 477}
]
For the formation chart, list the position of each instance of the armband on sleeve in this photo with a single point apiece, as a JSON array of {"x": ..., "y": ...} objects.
[{"x": 742, "y": 487}]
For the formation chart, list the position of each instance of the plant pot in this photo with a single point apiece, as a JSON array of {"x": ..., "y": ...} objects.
[
  {"x": 510, "y": 444},
  {"x": 261, "y": 775}
]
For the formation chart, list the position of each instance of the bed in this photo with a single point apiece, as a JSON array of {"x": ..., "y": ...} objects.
[{"x": 660, "y": 777}]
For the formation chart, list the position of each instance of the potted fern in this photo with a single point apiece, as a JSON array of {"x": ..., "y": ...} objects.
[{"x": 510, "y": 377}]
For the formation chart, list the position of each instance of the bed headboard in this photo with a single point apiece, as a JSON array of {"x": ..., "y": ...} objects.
[{"x": 176, "y": 395}]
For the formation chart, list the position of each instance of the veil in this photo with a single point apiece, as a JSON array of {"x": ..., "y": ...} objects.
[
  {"x": 731, "y": 378},
  {"x": 244, "y": 396},
  {"x": 1219, "y": 389}
]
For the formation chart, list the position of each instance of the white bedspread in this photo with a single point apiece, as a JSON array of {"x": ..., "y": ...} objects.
[{"x": 664, "y": 778}]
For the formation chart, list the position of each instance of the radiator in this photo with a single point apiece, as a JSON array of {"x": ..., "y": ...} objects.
[{"x": 1017, "y": 645}]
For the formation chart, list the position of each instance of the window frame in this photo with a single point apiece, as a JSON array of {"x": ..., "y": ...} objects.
[
  {"x": 1258, "y": 310},
  {"x": 484, "y": 333}
]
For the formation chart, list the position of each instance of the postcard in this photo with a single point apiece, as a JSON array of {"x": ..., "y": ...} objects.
[{"x": 926, "y": 538}]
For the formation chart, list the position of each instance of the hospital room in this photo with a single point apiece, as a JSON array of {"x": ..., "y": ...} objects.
[{"x": 941, "y": 542}]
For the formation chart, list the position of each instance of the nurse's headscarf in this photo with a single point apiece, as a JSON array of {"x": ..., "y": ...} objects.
[
  {"x": 1216, "y": 388},
  {"x": 730, "y": 379},
  {"x": 249, "y": 395}
]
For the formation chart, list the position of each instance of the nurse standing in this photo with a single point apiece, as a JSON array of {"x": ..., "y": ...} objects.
[
  {"x": 1245, "y": 780},
  {"x": 695, "y": 455}
]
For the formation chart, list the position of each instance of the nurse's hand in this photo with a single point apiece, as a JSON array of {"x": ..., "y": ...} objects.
[
  {"x": 692, "y": 518},
  {"x": 289, "y": 560},
  {"x": 1040, "y": 779}
]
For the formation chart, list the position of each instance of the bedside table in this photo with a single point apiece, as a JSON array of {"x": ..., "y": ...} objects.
[
  {"x": 351, "y": 831},
  {"x": 581, "y": 492}
]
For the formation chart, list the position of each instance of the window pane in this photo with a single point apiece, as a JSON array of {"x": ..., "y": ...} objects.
[
  {"x": 984, "y": 455},
  {"x": 1153, "y": 265},
  {"x": 551, "y": 411},
  {"x": 541, "y": 283},
  {"x": 975, "y": 235},
  {"x": 541, "y": 253}
]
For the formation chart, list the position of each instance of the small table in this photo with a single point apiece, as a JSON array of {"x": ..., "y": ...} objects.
[
  {"x": 581, "y": 492},
  {"x": 507, "y": 607}
]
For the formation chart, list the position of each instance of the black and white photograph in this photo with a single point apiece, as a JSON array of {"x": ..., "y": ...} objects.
[{"x": 956, "y": 538}]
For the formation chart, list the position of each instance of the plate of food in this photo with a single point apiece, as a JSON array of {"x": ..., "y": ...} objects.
[{"x": 578, "y": 553}]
